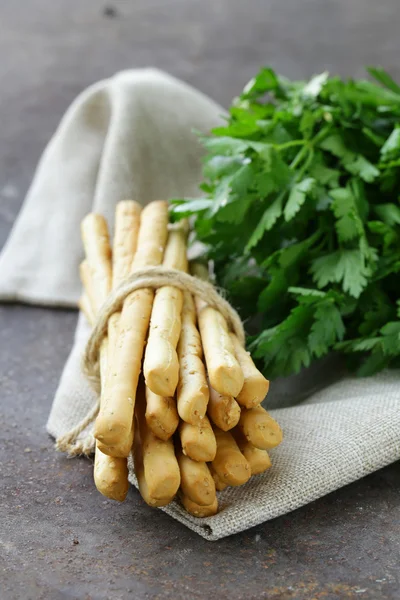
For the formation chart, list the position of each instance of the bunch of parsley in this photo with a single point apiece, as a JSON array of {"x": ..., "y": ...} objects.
[{"x": 301, "y": 217}]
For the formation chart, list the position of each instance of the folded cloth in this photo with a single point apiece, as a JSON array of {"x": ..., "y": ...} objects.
[{"x": 131, "y": 136}]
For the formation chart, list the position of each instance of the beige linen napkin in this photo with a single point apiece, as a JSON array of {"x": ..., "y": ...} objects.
[{"x": 131, "y": 136}]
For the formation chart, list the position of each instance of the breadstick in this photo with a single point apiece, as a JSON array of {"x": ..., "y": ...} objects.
[
  {"x": 139, "y": 472},
  {"x": 223, "y": 368},
  {"x": 120, "y": 450},
  {"x": 84, "y": 306},
  {"x": 110, "y": 474},
  {"x": 127, "y": 223},
  {"x": 85, "y": 273},
  {"x": 255, "y": 386},
  {"x": 192, "y": 393},
  {"x": 96, "y": 242},
  {"x": 198, "y": 441},
  {"x": 220, "y": 485},
  {"x": 199, "y": 511},
  {"x": 161, "y": 415},
  {"x": 160, "y": 466},
  {"x": 259, "y": 428},
  {"x": 258, "y": 460},
  {"x": 161, "y": 366},
  {"x": 229, "y": 463},
  {"x": 196, "y": 480},
  {"x": 223, "y": 411},
  {"x": 114, "y": 423}
]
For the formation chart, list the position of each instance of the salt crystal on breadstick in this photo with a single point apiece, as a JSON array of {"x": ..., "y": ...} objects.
[
  {"x": 223, "y": 410},
  {"x": 196, "y": 480},
  {"x": 161, "y": 415},
  {"x": 198, "y": 441},
  {"x": 199, "y": 511},
  {"x": 259, "y": 428},
  {"x": 192, "y": 392},
  {"x": 160, "y": 466},
  {"x": 255, "y": 386},
  {"x": 223, "y": 369},
  {"x": 258, "y": 459},
  {"x": 161, "y": 366},
  {"x": 229, "y": 463},
  {"x": 115, "y": 419}
]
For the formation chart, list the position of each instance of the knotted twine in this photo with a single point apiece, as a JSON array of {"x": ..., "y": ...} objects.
[{"x": 149, "y": 277}]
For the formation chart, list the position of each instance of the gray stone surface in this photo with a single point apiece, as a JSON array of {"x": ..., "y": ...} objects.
[{"x": 58, "y": 538}]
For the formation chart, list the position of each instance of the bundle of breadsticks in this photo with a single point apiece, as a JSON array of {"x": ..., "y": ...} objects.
[{"x": 178, "y": 390}]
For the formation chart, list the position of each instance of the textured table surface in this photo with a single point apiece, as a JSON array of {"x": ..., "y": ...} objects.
[{"x": 58, "y": 538}]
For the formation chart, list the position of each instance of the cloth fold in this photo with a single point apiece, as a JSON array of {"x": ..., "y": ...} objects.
[{"x": 132, "y": 136}]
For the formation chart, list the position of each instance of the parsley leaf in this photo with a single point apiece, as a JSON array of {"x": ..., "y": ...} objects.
[
  {"x": 348, "y": 221},
  {"x": 347, "y": 267},
  {"x": 300, "y": 215},
  {"x": 391, "y": 148},
  {"x": 297, "y": 197}
]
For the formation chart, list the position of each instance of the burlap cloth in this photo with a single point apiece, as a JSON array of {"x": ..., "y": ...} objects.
[{"x": 131, "y": 136}]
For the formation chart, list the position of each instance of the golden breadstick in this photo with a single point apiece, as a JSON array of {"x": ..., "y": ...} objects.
[
  {"x": 199, "y": 511},
  {"x": 198, "y": 441},
  {"x": 196, "y": 480},
  {"x": 161, "y": 366},
  {"x": 160, "y": 466},
  {"x": 115, "y": 419},
  {"x": 255, "y": 386},
  {"x": 223, "y": 411},
  {"x": 85, "y": 307},
  {"x": 223, "y": 368},
  {"x": 96, "y": 273},
  {"x": 85, "y": 273},
  {"x": 192, "y": 393},
  {"x": 120, "y": 450},
  {"x": 229, "y": 463},
  {"x": 258, "y": 460},
  {"x": 127, "y": 223},
  {"x": 96, "y": 242},
  {"x": 139, "y": 472},
  {"x": 161, "y": 415},
  {"x": 220, "y": 485},
  {"x": 259, "y": 428},
  {"x": 110, "y": 474}
]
